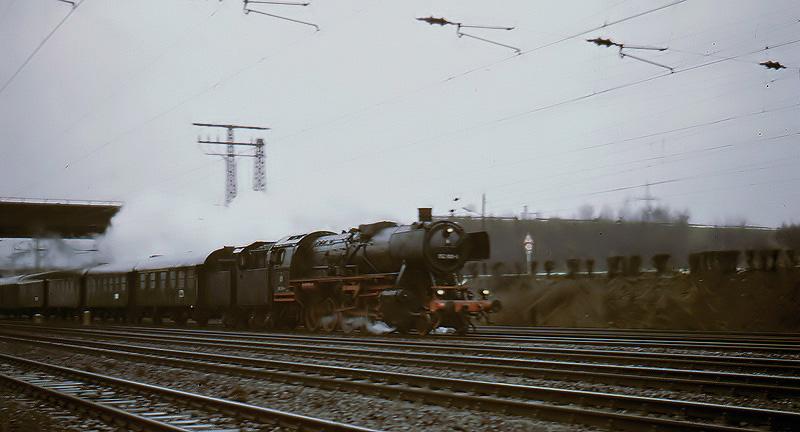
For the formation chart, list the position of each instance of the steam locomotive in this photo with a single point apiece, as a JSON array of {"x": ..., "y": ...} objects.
[{"x": 404, "y": 275}]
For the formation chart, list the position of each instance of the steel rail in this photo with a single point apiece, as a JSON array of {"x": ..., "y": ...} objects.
[
  {"x": 751, "y": 364},
  {"x": 470, "y": 340},
  {"x": 569, "y": 336},
  {"x": 791, "y": 346},
  {"x": 621, "y": 356},
  {"x": 583, "y": 330},
  {"x": 250, "y": 412},
  {"x": 649, "y": 377},
  {"x": 630, "y": 342},
  {"x": 128, "y": 420},
  {"x": 481, "y": 335},
  {"x": 482, "y": 331},
  {"x": 508, "y": 398},
  {"x": 788, "y": 346}
]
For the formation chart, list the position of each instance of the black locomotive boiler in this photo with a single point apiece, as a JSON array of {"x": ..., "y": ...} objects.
[{"x": 405, "y": 275}]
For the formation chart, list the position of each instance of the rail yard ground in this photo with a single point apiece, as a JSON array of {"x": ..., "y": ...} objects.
[{"x": 61, "y": 376}]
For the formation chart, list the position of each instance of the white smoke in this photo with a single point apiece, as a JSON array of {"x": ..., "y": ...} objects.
[{"x": 158, "y": 224}]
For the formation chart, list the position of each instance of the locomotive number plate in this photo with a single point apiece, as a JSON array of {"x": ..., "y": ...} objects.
[{"x": 447, "y": 256}]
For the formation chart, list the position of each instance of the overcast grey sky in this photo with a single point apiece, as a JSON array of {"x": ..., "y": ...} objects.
[{"x": 378, "y": 113}]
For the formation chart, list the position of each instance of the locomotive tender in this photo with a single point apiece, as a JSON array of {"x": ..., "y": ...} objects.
[{"x": 404, "y": 275}]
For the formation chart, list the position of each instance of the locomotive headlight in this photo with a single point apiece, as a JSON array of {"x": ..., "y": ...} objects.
[
  {"x": 450, "y": 230},
  {"x": 485, "y": 292},
  {"x": 440, "y": 292}
]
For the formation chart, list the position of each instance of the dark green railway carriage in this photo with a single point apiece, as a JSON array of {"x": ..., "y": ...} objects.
[
  {"x": 22, "y": 295},
  {"x": 108, "y": 290},
  {"x": 191, "y": 285},
  {"x": 63, "y": 293}
]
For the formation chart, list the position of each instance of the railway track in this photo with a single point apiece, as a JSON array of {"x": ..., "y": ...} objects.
[
  {"x": 644, "y": 377},
  {"x": 653, "y": 338},
  {"x": 713, "y": 335},
  {"x": 471, "y": 340},
  {"x": 717, "y": 341},
  {"x": 639, "y": 341},
  {"x": 139, "y": 406},
  {"x": 788, "y": 346},
  {"x": 606, "y": 410},
  {"x": 738, "y": 364}
]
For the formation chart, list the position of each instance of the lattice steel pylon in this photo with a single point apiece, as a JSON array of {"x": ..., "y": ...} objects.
[
  {"x": 230, "y": 170},
  {"x": 259, "y": 172}
]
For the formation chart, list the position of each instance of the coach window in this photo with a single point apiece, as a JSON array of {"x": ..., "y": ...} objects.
[
  {"x": 152, "y": 281},
  {"x": 173, "y": 278},
  {"x": 163, "y": 277},
  {"x": 123, "y": 284},
  {"x": 181, "y": 279},
  {"x": 189, "y": 278}
]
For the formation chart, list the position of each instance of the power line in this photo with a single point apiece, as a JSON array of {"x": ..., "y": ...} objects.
[
  {"x": 635, "y": 83},
  {"x": 575, "y": 182},
  {"x": 39, "y": 47},
  {"x": 735, "y": 170},
  {"x": 476, "y": 174},
  {"x": 693, "y": 192},
  {"x": 137, "y": 74},
  {"x": 401, "y": 96},
  {"x": 566, "y": 38},
  {"x": 218, "y": 83},
  {"x": 564, "y": 102},
  {"x": 636, "y": 138}
]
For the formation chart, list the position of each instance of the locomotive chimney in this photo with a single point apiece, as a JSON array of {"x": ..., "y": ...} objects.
[{"x": 425, "y": 214}]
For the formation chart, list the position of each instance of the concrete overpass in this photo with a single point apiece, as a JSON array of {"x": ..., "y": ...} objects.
[{"x": 30, "y": 218}]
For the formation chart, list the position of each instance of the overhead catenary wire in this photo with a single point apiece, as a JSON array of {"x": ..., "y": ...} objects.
[
  {"x": 138, "y": 73},
  {"x": 418, "y": 90},
  {"x": 638, "y": 82},
  {"x": 39, "y": 47},
  {"x": 694, "y": 67},
  {"x": 247, "y": 10},
  {"x": 481, "y": 125},
  {"x": 555, "y": 211},
  {"x": 582, "y": 97},
  {"x": 549, "y": 156},
  {"x": 566, "y": 38},
  {"x": 664, "y": 160},
  {"x": 736, "y": 170},
  {"x": 225, "y": 79},
  {"x": 733, "y": 170}
]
